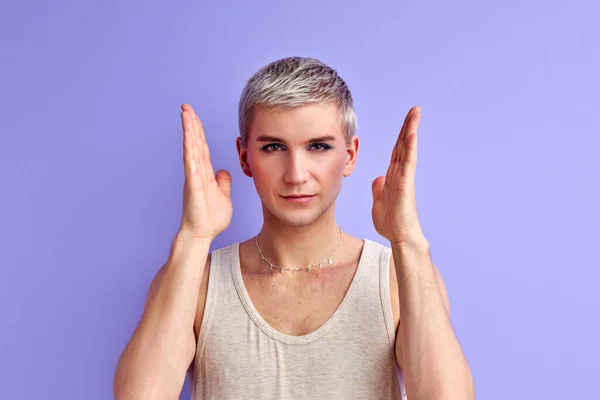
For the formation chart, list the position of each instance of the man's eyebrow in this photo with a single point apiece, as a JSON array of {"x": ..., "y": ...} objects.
[{"x": 267, "y": 138}]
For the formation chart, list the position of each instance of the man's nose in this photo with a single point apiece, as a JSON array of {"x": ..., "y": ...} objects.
[{"x": 296, "y": 169}]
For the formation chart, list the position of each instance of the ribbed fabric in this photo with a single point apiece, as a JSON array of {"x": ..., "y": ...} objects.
[{"x": 351, "y": 356}]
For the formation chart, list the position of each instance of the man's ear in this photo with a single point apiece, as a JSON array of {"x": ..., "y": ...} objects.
[
  {"x": 243, "y": 156},
  {"x": 351, "y": 155}
]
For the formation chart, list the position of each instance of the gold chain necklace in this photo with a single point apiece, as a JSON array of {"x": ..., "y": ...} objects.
[{"x": 319, "y": 264}]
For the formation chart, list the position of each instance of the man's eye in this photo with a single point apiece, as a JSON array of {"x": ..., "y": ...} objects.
[
  {"x": 320, "y": 146},
  {"x": 271, "y": 147}
]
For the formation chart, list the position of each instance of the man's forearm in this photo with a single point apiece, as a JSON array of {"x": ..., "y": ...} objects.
[
  {"x": 433, "y": 363},
  {"x": 162, "y": 347}
]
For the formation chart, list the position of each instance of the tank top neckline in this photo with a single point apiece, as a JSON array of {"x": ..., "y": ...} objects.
[{"x": 283, "y": 337}]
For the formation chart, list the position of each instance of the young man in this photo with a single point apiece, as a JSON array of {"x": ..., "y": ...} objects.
[{"x": 302, "y": 310}]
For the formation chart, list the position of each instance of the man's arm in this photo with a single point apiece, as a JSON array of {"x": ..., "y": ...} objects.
[
  {"x": 427, "y": 348},
  {"x": 155, "y": 361}
]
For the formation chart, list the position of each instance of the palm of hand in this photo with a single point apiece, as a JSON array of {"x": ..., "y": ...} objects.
[{"x": 207, "y": 206}]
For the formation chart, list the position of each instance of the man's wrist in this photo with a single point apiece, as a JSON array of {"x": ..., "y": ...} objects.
[
  {"x": 184, "y": 240},
  {"x": 418, "y": 246},
  {"x": 412, "y": 260}
]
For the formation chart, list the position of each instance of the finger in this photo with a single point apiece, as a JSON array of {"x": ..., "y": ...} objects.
[
  {"x": 199, "y": 149},
  {"x": 413, "y": 122},
  {"x": 377, "y": 186},
  {"x": 199, "y": 130},
  {"x": 411, "y": 129},
  {"x": 397, "y": 152},
  {"x": 203, "y": 166},
  {"x": 202, "y": 137},
  {"x": 409, "y": 166},
  {"x": 197, "y": 141},
  {"x": 192, "y": 112},
  {"x": 189, "y": 161},
  {"x": 206, "y": 164},
  {"x": 198, "y": 133},
  {"x": 224, "y": 181},
  {"x": 408, "y": 128}
]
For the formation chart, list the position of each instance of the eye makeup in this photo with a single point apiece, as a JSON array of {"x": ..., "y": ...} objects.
[{"x": 272, "y": 147}]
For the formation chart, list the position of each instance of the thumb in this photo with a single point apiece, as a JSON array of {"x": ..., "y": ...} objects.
[
  {"x": 377, "y": 186},
  {"x": 223, "y": 179}
]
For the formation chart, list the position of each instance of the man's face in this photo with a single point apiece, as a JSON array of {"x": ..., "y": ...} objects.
[{"x": 297, "y": 151}]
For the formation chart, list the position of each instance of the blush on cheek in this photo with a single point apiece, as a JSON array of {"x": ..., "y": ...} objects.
[
  {"x": 264, "y": 173},
  {"x": 264, "y": 180}
]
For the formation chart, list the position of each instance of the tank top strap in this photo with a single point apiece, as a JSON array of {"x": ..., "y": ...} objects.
[
  {"x": 385, "y": 254},
  {"x": 220, "y": 290}
]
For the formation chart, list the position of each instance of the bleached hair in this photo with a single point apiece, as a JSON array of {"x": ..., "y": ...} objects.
[{"x": 294, "y": 82}]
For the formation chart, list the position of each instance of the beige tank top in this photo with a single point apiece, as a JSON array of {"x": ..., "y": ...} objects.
[{"x": 240, "y": 356}]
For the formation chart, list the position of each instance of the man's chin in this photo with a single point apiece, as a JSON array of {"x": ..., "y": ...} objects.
[
  {"x": 296, "y": 218},
  {"x": 297, "y": 221}
]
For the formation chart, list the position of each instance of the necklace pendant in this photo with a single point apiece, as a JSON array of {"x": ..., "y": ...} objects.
[
  {"x": 307, "y": 269},
  {"x": 282, "y": 270},
  {"x": 320, "y": 266},
  {"x": 270, "y": 267},
  {"x": 295, "y": 271},
  {"x": 330, "y": 261}
]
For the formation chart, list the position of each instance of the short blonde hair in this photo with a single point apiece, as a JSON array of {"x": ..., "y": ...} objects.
[{"x": 293, "y": 82}]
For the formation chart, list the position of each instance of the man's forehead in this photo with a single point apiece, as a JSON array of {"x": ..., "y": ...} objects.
[{"x": 300, "y": 124}]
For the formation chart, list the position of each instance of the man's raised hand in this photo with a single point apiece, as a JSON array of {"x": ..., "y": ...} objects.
[
  {"x": 394, "y": 197},
  {"x": 207, "y": 207}
]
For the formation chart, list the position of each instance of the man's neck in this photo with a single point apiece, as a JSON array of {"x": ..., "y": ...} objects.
[{"x": 299, "y": 246}]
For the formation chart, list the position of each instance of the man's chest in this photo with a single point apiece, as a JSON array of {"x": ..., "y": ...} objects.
[{"x": 299, "y": 307}]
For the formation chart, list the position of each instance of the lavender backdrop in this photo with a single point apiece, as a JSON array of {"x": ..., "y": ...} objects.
[{"x": 91, "y": 171}]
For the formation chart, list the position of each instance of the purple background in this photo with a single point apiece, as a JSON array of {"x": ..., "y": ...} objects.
[{"x": 91, "y": 171}]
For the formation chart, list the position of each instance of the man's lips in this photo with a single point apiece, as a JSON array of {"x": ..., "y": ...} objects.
[{"x": 302, "y": 198}]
